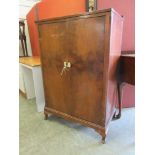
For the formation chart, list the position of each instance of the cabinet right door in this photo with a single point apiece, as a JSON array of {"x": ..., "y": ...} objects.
[{"x": 86, "y": 54}]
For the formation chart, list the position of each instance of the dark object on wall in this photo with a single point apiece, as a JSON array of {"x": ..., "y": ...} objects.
[
  {"x": 79, "y": 56},
  {"x": 91, "y": 5},
  {"x": 22, "y": 37}
]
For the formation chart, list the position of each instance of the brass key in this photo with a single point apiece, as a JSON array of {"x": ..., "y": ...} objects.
[
  {"x": 63, "y": 69},
  {"x": 66, "y": 66}
]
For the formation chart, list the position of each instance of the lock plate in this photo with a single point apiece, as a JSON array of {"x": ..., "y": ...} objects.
[{"x": 67, "y": 64}]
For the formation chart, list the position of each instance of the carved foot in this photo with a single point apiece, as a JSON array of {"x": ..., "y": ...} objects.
[
  {"x": 103, "y": 140},
  {"x": 102, "y": 133}
]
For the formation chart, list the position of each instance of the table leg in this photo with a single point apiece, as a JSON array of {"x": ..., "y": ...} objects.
[
  {"x": 119, "y": 90},
  {"x": 38, "y": 88}
]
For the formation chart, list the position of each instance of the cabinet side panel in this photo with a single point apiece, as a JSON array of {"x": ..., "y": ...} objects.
[{"x": 114, "y": 55}]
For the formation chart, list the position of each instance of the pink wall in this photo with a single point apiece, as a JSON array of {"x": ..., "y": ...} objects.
[
  {"x": 50, "y": 9},
  {"x": 54, "y": 8},
  {"x": 127, "y": 9}
]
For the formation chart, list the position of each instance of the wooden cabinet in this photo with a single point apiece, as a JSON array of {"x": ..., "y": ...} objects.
[{"x": 79, "y": 55}]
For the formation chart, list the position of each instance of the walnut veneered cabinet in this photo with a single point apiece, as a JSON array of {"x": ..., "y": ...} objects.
[{"x": 79, "y": 55}]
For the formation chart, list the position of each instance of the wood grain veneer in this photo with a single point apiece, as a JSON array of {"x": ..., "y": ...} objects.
[{"x": 87, "y": 91}]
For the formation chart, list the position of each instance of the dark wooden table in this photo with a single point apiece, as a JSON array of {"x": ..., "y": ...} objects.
[
  {"x": 126, "y": 74},
  {"x": 127, "y": 69}
]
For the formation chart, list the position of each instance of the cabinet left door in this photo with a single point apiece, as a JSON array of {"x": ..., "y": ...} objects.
[{"x": 53, "y": 39}]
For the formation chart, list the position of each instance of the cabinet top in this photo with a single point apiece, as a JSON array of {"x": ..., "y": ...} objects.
[{"x": 82, "y": 15}]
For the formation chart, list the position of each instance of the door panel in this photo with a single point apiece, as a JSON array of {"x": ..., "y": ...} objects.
[
  {"x": 86, "y": 38},
  {"x": 53, "y": 43},
  {"x": 78, "y": 92}
]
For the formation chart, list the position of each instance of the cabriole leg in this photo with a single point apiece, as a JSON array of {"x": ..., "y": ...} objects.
[
  {"x": 45, "y": 116},
  {"x": 103, "y": 134},
  {"x": 119, "y": 90},
  {"x": 104, "y": 140}
]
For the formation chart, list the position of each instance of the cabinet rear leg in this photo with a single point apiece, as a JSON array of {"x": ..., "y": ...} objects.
[
  {"x": 45, "y": 116},
  {"x": 103, "y": 139}
]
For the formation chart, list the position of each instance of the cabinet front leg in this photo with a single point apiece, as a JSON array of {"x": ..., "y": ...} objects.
[{"x": 102, "y": 133}]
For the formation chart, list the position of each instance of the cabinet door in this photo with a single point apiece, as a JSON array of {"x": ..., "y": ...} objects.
[
  {"x": 86, "y": 53},
  {"x": 53, "y": 45}
]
